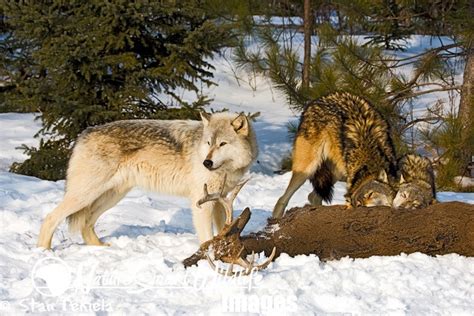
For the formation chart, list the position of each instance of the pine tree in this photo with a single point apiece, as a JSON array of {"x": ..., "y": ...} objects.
[
  {"x": 84, "y": 63},
  {"x": 388, "y": 23},
  {"x": 343, "y": 62}
]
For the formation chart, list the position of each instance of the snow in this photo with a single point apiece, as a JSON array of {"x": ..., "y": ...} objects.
[
  {"x": 149, "y": 233},
  {"x": 16, "y": 129}
]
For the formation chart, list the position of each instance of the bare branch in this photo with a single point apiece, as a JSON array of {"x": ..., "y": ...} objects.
[
  {"x": 423, "y": 92},
  {"x": 431, "y": 51},
  {"x": 429, "y": 120}
]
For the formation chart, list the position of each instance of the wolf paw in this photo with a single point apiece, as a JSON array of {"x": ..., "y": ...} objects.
[{"x": 348, "y": 206}]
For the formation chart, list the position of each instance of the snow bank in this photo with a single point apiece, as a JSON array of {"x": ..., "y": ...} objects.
[{"x": 141, "y": 273}]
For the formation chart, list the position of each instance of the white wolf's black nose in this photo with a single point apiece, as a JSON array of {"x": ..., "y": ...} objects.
[{"x": 208, "y": 164}]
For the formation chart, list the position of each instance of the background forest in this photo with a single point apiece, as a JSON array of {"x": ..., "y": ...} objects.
[
  {"x": 68, "y": 65},
  {"x": 79, "y": 64}
]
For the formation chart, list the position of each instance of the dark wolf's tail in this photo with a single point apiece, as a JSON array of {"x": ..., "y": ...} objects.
[{"x": 323, "y": 181}]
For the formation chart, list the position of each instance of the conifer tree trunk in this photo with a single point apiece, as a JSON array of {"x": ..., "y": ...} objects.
[
  {"x": 466, "y": 108},
  {"x": 467, "y": 92},
  {"x": 307, "y": 25}
]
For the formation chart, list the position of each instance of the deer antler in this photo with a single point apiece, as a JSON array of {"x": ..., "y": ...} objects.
[
  {"x": 226, "y": 202},
  {"x": 227, "y": 245}
]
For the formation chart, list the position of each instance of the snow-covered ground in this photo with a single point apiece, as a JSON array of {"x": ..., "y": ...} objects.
[{"x": 141, "y": 272}]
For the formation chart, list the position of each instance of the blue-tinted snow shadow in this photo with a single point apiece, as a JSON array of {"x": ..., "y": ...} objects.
[
  {"x": 258, "y": 220},
  {"x": 274, "y": 143},
  {"x": 181, "y": 222},
  {"x": 133, "y": 231}
]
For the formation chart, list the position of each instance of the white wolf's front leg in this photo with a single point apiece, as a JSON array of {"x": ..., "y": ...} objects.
[{"x": 202, "y": 219}]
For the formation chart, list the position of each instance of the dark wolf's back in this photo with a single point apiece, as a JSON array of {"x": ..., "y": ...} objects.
[
  {"x": 365, "y": 127},
  {"x": 364, "y": 139}
]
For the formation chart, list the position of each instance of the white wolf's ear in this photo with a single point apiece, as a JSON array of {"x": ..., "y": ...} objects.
[
  {"x": 383, "y": 176},
  {"x": 241, "y": 124},
  {"x": 205, "y": 117},
  {"x": 402, "y": 179}
]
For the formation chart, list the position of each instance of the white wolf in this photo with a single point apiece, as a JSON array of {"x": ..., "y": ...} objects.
[{"x": 175, "y": 157}]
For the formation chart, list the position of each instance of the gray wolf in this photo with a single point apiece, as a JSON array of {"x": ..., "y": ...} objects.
[
  {"x": 342, "y": 136},
  {"x": 174, "y": 157},
  {"x": 417, "y": 183}
]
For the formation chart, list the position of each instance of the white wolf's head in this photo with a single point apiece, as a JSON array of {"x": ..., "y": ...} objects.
[{"x": 227, "y": 140}]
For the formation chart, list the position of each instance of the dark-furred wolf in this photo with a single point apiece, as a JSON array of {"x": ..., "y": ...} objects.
[
  {"x": 174, "y": 157},
  {"x": 343, "y": 136},
  {"x": 417, "y": 183}
]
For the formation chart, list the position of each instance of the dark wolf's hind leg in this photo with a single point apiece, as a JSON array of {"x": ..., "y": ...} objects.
[
  {"x": 106, "y": 201},
  {"x": 314, "y": 199},
  {"x": 307, "y": 157}
]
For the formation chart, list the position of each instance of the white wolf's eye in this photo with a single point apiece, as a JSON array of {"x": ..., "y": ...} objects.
[
  {"x": 209, "y": 143},
  {"x": 222, "y": 144}
]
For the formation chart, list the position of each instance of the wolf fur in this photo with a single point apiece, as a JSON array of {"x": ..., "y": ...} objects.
[
  {"x": 174, "y": 157},
  {"x": 342, "y": 136},
  {"x": 417, "y": 183}
]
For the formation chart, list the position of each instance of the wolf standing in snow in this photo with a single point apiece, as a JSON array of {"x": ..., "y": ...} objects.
[
  {"x": 342, "y": 136},
  {"x": 417, "y": 183},
  {"x": 174, "y": 157}
]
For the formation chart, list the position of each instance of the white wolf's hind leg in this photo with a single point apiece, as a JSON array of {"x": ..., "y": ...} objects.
[
  {"x": 83, "y": 187},
  {"x": 106, "y": 201},
  {"x": 70, "y": 205}
]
